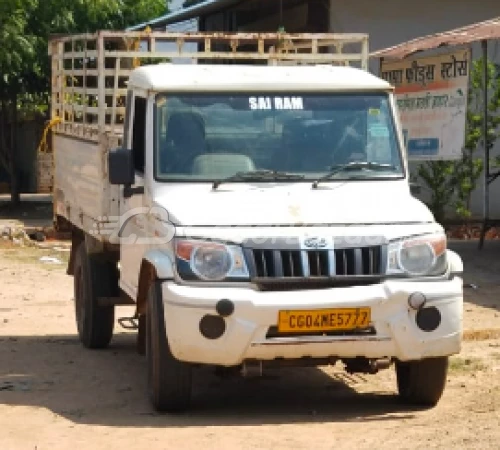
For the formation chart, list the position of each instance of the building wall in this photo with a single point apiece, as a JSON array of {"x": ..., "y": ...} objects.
[
  {"x": 28, "y": 137},
  {"x": 266, "y": 16},
  {"x": 390, "y": 22},
  {"x": 394, "y": 21}
]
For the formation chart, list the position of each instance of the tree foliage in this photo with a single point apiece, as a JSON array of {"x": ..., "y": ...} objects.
[
  {"x": 25, "y": 27},
  {"x": 440, "y": 180}
]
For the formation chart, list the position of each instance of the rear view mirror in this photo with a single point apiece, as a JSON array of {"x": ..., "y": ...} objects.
[{"x": 121, "y": 167}]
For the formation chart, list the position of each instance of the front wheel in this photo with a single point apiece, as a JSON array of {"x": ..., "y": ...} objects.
[
  {"x": 169, "y": 380},
  {"x": 422, "y": 382}
]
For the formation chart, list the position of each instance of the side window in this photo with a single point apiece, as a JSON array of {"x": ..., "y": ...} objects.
[{"x": 139, "y": 134}]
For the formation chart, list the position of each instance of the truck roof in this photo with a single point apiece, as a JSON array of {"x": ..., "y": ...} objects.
[{"x": 212, "y": 77}]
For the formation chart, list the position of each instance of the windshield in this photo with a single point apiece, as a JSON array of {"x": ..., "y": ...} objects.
[{"x": 216, "y": 136}]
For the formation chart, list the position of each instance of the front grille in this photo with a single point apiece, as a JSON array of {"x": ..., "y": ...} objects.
[{"x": 291, "y": 265}]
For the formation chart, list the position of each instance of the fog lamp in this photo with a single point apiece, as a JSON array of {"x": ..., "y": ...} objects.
[{"x": 417, "y": 300}]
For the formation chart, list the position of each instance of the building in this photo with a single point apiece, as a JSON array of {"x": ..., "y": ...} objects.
[{"x": 387, "y": 22}]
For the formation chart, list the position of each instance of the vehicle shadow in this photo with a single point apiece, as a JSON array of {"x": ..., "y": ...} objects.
[{"x": 109, "y": 388}]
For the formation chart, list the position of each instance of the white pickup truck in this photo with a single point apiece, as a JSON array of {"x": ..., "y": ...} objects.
[{"x": 254, "y": 214}]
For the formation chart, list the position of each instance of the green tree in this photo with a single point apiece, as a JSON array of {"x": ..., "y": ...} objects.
[
  {"x": 441, "y": 182},
  {"x": 25, "y": 26},
  {"x": 470, "y": 167}
]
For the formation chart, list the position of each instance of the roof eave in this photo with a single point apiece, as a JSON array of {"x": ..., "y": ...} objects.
[
  {"x": 480, "y": 31},
  {"x": 180, "y": 15}
]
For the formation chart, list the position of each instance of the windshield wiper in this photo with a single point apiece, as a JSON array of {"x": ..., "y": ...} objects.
[
  {"x": 258, "y": 175},
  {"x": 355, "y": 165}
]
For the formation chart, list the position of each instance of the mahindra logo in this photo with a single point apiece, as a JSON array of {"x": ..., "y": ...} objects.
[{"x": 315, "y": 242}]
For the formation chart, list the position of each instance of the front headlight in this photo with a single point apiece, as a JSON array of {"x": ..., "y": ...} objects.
[
  {"x": 210, "y": 261},
  {"x": 418, "y": 256}
]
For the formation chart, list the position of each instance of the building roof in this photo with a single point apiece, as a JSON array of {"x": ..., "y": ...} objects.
[
  {"x": 182, "y": 14},
  {"x": 248, "y": 78},
  {"x": 489, "y": 29}
]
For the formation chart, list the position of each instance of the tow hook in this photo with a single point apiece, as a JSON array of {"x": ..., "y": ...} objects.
[
  {"x": 251, "y": 369},
  {"x": 379, "y": 364},
  {"x": 129, "y": 323},
  {"x": 364, "y": 365}
]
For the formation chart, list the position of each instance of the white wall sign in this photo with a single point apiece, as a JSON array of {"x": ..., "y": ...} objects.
[{"x": 431, "y": 95}]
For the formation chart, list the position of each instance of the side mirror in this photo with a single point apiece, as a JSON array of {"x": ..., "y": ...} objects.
[{"x": 121, "y": 167}]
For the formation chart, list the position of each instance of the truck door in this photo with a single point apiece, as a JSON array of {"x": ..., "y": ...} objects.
[{"x": 133, "y": 209}]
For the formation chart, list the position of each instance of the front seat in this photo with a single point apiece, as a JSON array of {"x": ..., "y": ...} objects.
[
  {"x": 185, "y": 141},
  {"x": 222, "y": 165}
]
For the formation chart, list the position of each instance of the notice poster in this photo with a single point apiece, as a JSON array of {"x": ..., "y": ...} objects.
[{"x": 431, "y": 96}]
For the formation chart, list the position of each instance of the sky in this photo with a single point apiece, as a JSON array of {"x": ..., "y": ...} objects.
[
  {"x": 184, "y": 26},
  {"x": 174, "y": 4}
]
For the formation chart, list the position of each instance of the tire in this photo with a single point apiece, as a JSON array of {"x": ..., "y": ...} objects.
[
  {"x": 169, "y": 380},
  {"x": 94, "y": 278},
  {"x": 422, "y": 382}
]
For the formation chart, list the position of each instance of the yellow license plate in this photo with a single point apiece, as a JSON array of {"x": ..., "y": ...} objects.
[{"x": 323, "y": 320}]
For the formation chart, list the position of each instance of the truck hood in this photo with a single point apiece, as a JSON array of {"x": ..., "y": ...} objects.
[{"x": 268, "y": 204}]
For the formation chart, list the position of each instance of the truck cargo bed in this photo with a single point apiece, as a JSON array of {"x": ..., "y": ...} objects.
[{"x": 82, "y": 193}]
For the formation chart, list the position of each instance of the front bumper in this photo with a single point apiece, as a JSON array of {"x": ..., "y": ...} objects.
[{"x": 397, "y": 334}]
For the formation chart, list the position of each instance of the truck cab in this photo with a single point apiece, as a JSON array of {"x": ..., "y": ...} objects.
[{"x": 264, "y": 217}]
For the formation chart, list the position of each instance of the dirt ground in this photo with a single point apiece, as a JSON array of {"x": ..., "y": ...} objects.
[{"x": 56, "y": 395}]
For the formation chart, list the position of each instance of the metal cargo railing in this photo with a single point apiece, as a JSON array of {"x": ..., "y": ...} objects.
[{"x": 90, "y": 71}]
